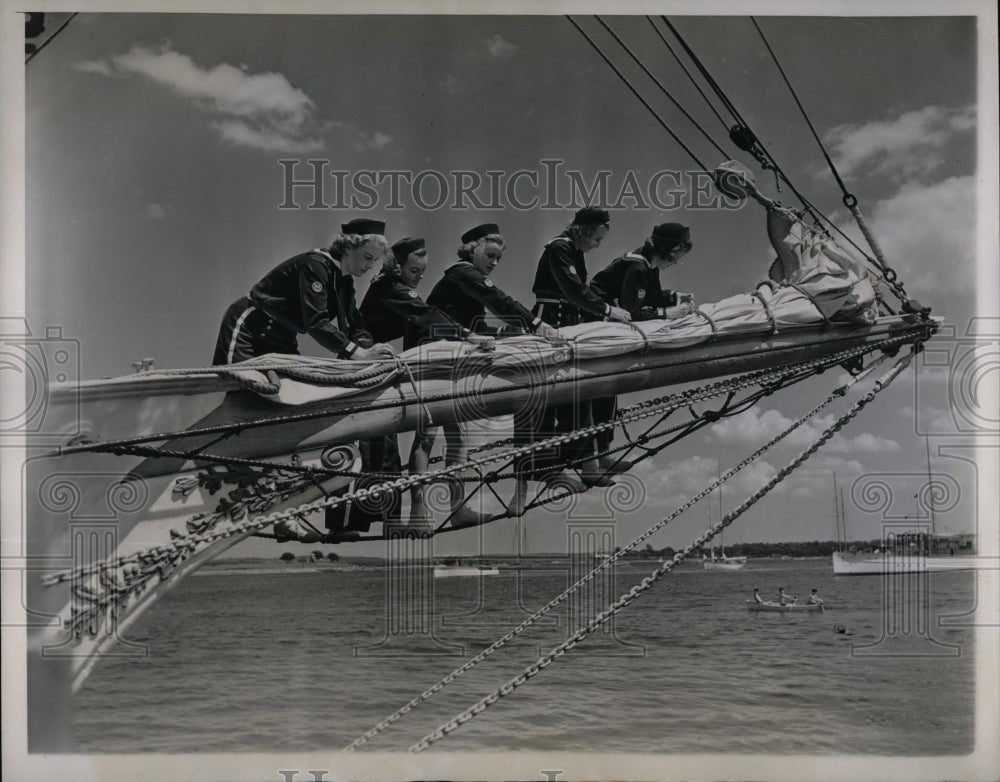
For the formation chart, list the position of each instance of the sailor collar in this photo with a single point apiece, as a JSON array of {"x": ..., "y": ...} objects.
[
  {"x": 329, "y": 257},
  {"x": 638, "y": 257}
]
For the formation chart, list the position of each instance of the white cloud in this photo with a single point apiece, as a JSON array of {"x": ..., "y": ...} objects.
[
  {"x": 866, "y": 442},
  {"x": 814, "y": 479},
  {"x": 94, "y": 66},
  {"x": 227, "y": 88},
  {"x": 379, "y": 140},
  {"x": 499, "y": 48},
  {"x": 754, "y": 427},
  {"x": 361, "y": 139},
  {"x": 905, "y": 147},
  {"x": 155, "y": 212},
  {"x": 257, "y": 110},
  {"x": 928, "y": 233},
  {"x": 244, "y": 135}
]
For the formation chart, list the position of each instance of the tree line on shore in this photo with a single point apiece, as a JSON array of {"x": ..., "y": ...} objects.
[{"x": 807, "y": 548}]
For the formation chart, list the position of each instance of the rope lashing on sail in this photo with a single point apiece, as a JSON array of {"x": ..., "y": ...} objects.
[
  {"x": 849, "y": 199},
  {"x": 183, "y": 544},
  {"x": 647, "y": 583},
  {"x": 226, "y": 430},
  {"x": 608, "y": 563},
  {"x": 781, "y": 380},
  {"x": 743, "y": 137}
]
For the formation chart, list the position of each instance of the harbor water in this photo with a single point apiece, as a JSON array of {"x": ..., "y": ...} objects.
[{"x": 303, "y": 658}]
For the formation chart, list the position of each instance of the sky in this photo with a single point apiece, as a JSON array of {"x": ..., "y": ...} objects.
[{"x": 156, "y": 195}]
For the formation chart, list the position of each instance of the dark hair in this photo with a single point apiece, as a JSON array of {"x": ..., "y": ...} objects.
[
  {"x": 578, "y": 231},
  {"x": 661, "y": 248}
]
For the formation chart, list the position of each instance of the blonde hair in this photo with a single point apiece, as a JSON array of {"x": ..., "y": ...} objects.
[
  {"x": 466, "y": 251},
  {"x": 344, "y": 243}
]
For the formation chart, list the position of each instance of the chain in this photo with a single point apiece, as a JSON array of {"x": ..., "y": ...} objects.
[
  {"x": 804, "y": 368},
  {"x": 556, "y": 601},
  {"x": 646, "y": 584},
  {"x": 185, "y": 545}
]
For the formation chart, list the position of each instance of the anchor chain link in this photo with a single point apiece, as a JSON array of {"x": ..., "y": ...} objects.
[
  {"x": 621, "y": 552},
  {"x": 625, "y": 600},
  {"x": 184, "y": 544}
]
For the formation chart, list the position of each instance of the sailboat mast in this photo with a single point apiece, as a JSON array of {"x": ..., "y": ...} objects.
[
  {"x": 722, "y": 532},
  {"x": 843, "y": 517},
  {"x": 836, "y": 513},
  {"x": 930, "y": 487}
]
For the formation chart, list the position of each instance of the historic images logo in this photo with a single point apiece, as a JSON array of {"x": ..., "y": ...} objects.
[{"x": 315, "y": 184}]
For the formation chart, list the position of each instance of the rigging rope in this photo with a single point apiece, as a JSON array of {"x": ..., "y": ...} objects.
[
  {"x": 637, "y": 94},
  {"x": 687, "y": 73},
  {"x": 619, "y": 553},
  {"x": 744, "y": 138},
  {"x": 646, "y": 584},
  {"x": 663, "y": 89},
  {"x": 805, "y": 116},
  {"x": 182, "y": 545},
  {"x": 849, "y": 199},
  {"x": 48, "y": 40},
  {"x": 230, "y": 429}
]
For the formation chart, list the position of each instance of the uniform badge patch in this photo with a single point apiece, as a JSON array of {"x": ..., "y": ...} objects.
[
  {"x": 641, "y": 294},
  {"x": 489, "y": 283},
  {"x": 413, "y": 294},
  {"x": 317, "y": 287}
]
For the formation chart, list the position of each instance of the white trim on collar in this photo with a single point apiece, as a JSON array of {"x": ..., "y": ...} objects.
[{"x": 325, "y": 254}]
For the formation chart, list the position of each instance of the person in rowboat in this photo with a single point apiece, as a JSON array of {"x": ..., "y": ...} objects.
[
  {"x": 391, "y": 309},
  {"x": 814, "y": 598},
  {"x": 756, "y": 596},
  {"x": 784, "y": 598},
  {"x": 466, "y": 293},
  {"x": 632, "y": 282}
]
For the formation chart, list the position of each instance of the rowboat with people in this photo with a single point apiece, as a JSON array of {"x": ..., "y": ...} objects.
[
  {"x": 134, "y": 482},
  {"x": 782, "y": 608}
]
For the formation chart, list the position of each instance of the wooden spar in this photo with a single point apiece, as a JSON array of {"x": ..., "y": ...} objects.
[{"x": 389, "y": 409}]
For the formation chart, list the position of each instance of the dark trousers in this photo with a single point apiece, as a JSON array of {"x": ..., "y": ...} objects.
[
  {"x": 378, "y": 455},
  {"x": 248, "y": 332},
  {"x": 543, "y": 421},
  {"x": 603, "y": 411}
]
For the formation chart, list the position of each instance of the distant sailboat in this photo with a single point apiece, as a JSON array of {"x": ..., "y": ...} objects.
[
  {"x": 912, "y": 552},
  {"x": 447, "y": 571},
  {"x": 721, "y": 562}
]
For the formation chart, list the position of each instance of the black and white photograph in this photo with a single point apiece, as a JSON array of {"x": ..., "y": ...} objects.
[{"x": 554, "y": 391}]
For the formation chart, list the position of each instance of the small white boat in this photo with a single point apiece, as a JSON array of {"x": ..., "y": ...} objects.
[
  {"x": 890, "y": 562},
  {"x": 724, "y": 563},
  {"x": 768, "y": 606},
  {"x": 447, "y": 571},
  {"x": 720, "y": 562}
]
